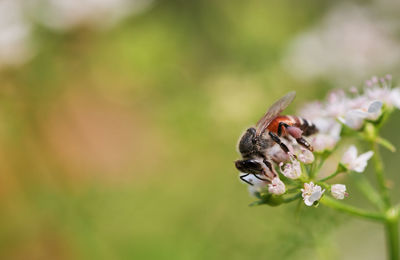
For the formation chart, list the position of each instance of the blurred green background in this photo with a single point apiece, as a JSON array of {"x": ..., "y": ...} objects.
[{"x": 117, "y": 140}]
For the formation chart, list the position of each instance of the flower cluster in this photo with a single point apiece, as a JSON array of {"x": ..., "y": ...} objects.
[
  {"x": 350, "y": 110},
  {"x": 353, "y": 113}
]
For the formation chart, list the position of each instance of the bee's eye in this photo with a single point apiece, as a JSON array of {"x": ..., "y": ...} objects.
[
  {"x": 248, "y": 165},
  {"x": 252, "y": 164}
]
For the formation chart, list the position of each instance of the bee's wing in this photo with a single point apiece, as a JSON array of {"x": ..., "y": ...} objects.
[{"x": 274, "y": 111}]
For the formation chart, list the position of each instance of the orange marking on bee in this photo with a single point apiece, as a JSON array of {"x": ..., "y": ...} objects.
[{"x": 289, "y": 120}]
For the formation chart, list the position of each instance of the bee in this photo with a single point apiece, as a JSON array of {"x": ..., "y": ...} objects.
[{"x": 255, "y": 142}]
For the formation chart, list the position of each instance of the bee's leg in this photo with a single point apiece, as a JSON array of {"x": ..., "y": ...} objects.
[
  {"x": 281, "y": 126},
  {"x": 271, "y": 169},
  {"x": 242, "y": 177},
  {"x": 268, "y": 164},
  {"x": 255, "y": 175},
  {"x": 304, "y": 143},
  {"x": 297, "y": 134},
  {"x": 276, "y": 139}
]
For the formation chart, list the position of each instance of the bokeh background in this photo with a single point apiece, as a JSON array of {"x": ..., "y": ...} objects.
[{"x": 119, "y": 121}]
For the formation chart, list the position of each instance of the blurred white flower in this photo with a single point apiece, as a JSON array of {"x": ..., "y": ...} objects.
[
  {"x": 395, "y": 97},
  {"x": 338, "y": 191},
  {"x": 327, "y": 138},
  {"x": 311, "y": 193},
  {"x": 381, "y": 90},
  {"x": 350, "y": 43},
  {"x": 351, "y": 109},
  {"x": 354, "y": 162},
  {"x": 313, "y": 110},
  {"x": 276, "y": 187},
  {"x": 67, "y": 14},
  {"x": 328, "y": 128},
  {"x": 375, "y": 107},
  {"x": 354, "y": 118},
  {"x": 337, "y": 103},
  {"x": 323, "y": 142},
  {"x": 15, "y": 34}
]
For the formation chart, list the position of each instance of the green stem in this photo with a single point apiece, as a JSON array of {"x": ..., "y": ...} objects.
[
  {"x": 392, "y": 215},
  {"x": 380, "y": 175},
  {"x": 290, "y": 199},
  {"x": 392, "y": 236},
  {"x": 335, "y": 204},
  {"x": 305, "y": 170},
  {"x": 367, "y": 190},
  {"x": 332, "y": 175},
  {"x": 316, "y": 167},
  {"x": 392, "y": 233}
]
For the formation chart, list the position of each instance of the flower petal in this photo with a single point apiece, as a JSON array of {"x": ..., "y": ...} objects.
[
  {"x": 375, "y": 106},
  {"x": 350, "y": 155},
  {"x": 366, "y": 156}
]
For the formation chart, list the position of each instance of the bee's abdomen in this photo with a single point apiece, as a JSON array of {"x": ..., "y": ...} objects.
[
  {"x": 305, "y": 125},
  {"x": 274, "y": 125}
]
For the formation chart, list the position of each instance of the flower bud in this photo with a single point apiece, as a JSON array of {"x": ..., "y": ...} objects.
[
  {"x": 276, "y": 187},
  {"x": 306, "y": 156},
  {"x": 291, "y": 170},
  {"x": 338, "y": 191}
]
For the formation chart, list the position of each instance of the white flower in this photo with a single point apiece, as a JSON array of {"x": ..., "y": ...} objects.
[
  {"x": 305, "y": 156},
  {"x": 382, "y": 91},
  {"x": 395, "y": 97},
  {"x": 328, "y": 134},
  {"x": 338, "y": 191},
  {"x": 313, "y": 110},
  {"x": 276, "y": 187},
  {"x": 311, "y": 193},
  {"x": 337, "y": 103},
  {"x": 324, "y": 117},
  {"x": 355, "y": 118},
  {"x": 291, "y": 170},
  {"x": 354, "y": 162},
  {"x": 375, "y": 107},
  {"x": 323, "y": 142},
  {"x": 351, "y": 110}
]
